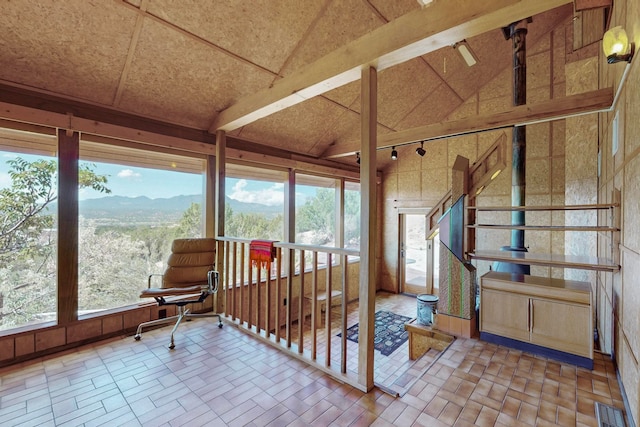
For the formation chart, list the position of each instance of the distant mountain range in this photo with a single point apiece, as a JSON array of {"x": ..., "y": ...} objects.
[{"x": 138, "y": 210}]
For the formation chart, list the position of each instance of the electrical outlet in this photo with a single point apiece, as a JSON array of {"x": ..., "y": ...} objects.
[{"x": 162, "y": 313}]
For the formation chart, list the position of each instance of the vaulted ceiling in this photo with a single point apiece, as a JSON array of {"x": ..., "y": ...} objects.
[{"x": 183, "y": 62}]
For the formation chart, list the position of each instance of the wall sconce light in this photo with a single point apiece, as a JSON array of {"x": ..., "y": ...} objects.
[
  {"x": 467, "y": 54},
  {"x": 394, "y": 153},
  {"x": 420, "y": 151},
  {"x": 616, "y": 46},
  {"x": 358, "y": 157}
]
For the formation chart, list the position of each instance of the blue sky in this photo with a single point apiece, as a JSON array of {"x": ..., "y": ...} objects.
[{"x": 133, "y": 182}]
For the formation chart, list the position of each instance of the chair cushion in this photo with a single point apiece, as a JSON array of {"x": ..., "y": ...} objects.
[
  {"x": 164, "y": 292},
  {"x": 181, "y": 246},
  {"x": 179, "y": 277}
]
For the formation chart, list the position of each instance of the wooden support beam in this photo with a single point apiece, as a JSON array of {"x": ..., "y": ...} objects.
[
  {"x": 414, "y": 34},
  {"x": 555, "y": 109},
  {"x": 368, "y": 226},
  {"x": 68, "y": 155},
  {"x": 590, "y": 4}
]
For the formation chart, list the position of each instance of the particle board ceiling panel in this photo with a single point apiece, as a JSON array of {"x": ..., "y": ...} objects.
[
  {"x": 68, "y": 47},
  {"x": 402, "y": 88},
  {"x": 264, "y": 32},
  {"x": 182, "y": 62},
  {"x": 346, "y": 128},
  {"x": 284, "y": 129},
  {"x": 342, "y": 22},
  {"x": 433, "y": 109},
  {"x": 394, "y": 9},
  {"x": 182, "y": 80}
]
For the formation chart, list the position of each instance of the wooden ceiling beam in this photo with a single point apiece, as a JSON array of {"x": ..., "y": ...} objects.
[
  {"x": 417, "y": 33},
  {"x": 555, "y": 109}
]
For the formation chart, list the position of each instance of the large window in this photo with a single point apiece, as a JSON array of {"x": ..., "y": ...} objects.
[
  {"x": 315, "y": 210},
  {"x": 28, "y": 231},
  {"x": 254, "y": 205},
  {"x": 352, "y": 215},
  {"x": 127, "y": 222}
]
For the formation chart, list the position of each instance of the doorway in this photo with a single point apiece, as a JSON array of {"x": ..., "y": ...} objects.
[
  {"x": 413, "y": 254},
  {"x": 419, "y": 257}
]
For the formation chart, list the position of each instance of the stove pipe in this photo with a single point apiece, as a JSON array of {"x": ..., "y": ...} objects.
[{"x": 517, "y": 32}]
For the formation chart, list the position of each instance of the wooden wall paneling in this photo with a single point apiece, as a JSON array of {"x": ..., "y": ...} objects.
[{"x": 68, "y": 154}]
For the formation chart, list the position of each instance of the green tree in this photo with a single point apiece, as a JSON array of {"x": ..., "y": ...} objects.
[
  {"x": 28, "y": 237},
  {"x": 191, "y": 222},
  {"x": 318, "y": 216},
  {"x": 24, "y": 203},
  {"x": 252, "y": 225}
]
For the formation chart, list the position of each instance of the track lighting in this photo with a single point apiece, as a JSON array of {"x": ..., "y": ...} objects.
[
  {"x": 358, "y": 157},
  {"x": 394, "y": 153},
  {"x": 420, "y": 151}
]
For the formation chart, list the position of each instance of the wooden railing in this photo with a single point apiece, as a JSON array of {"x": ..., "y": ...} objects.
[{"x": 279, "y": 302}]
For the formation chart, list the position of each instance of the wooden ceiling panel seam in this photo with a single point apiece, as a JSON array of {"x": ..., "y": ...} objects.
[
  {"x": 132, "y": 48},
  {"x": 302, "y": 40},
  {"x": 200, "y": 39}
]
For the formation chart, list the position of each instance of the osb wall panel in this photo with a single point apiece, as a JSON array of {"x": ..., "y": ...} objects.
[
  {"x": 545, "y": 157},
  {"x": 620, "y": 293},
  {"x": 581, "y": 148}
]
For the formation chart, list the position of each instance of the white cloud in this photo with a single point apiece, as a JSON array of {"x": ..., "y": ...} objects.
[
  {"x": 128, "y": 173},
  {"x": 5, "y": 180},
  {"x": 271, "y": 196}
]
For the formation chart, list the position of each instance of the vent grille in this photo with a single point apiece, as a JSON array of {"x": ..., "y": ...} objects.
[{"x": 608, "y": 416}]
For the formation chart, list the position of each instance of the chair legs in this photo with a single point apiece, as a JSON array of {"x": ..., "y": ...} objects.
[{"x": 183, "y": 313}]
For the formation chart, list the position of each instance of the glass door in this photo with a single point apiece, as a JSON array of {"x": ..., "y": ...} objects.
[{"x": 413, "y": 254}]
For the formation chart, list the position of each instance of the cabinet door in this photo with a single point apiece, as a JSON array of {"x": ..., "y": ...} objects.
[
  {"x": 562, "y": 326},
  {"x": 504, "y": 314}
]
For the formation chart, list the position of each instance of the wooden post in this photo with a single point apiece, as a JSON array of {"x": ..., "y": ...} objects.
[
  {"x": 220, "y": 174},
  {"x": 210, "y": 189},
  {"x": 290, "y": 237},
  {"x": 68, "y": 155},
  {"x": 368, "y": 213}
]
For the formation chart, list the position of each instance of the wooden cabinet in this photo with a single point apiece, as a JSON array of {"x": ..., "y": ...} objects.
[{"x": 553, "y": 316}]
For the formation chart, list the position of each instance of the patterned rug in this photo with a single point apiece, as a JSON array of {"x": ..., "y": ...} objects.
[{"x": 389, "y": 333}]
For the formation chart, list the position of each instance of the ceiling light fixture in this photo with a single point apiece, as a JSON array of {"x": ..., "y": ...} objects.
[
  {"x": 420, "y": 151},
  {"x": 424, "y": 2},
  {"x": 616, "y": 45},
  {"x": 467, "y": 54},
  {"x": 394, "y": 153}
]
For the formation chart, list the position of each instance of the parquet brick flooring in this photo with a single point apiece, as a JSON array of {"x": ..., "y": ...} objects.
[{"x": 223, "y": 377}]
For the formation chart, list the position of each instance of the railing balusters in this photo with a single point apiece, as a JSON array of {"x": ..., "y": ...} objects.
[
  {"x": 314, "y": 306},
  {"x": 278, "y": 292},
  {"x": 234, "y": 271},
  {"x": 253, "y": 308},
  {"x": 343, "y": 311},
  {"x": 327, "y": 309},
  {"x": 242, "y": 265},
  {"x": 225, "y": 279},
  {"x": 301, "y": 315}
]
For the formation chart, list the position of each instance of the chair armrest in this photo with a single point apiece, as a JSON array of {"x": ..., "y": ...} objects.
[
  {"x": 213, "y": 278},
  {"x": 149, "y": 279}
]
